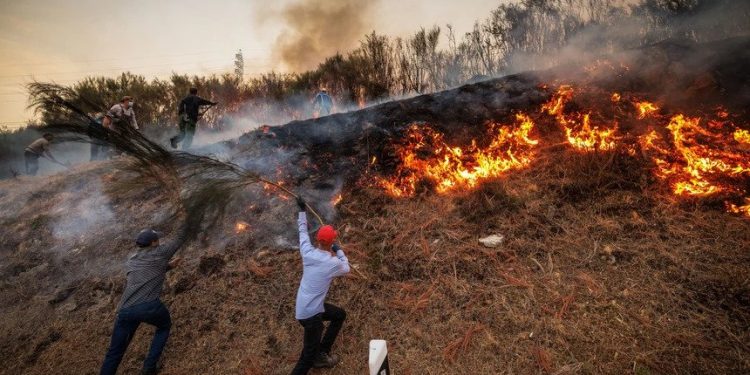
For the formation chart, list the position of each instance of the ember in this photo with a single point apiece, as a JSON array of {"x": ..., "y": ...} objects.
[
  {"x": 240, "y": 227},
  {"x": 337, "y": 199}
]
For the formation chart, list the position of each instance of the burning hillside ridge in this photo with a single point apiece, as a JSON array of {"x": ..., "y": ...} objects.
[{"x": 703, "y": 156}]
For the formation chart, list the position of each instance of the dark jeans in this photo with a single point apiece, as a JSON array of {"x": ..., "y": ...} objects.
[
  {"x": 128, "y": 320},
  {"x": 32, "y": 162},
  {"x": 187, "y": 131},
  {"x": 313, "y": 333}
]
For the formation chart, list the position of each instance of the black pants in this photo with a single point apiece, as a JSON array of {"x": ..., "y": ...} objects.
[
  {"x": 313, "y": 333},
  {"x": 187, "y": 131},
  {"x": 32, "y": 162}
]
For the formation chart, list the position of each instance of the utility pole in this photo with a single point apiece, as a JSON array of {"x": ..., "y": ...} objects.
[{"x": 239, "y": 65}]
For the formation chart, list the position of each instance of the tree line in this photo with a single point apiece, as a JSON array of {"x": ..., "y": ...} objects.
[{"x": 524, "y": 35}]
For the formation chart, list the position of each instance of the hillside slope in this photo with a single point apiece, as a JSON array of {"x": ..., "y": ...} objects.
[{"x": 603, "y": 268}]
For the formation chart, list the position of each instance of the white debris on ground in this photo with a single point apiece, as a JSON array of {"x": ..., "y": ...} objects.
[{"x": 493, "y": 240}]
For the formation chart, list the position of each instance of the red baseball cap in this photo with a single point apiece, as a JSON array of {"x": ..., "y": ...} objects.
[{"x": 326, "y": 235}]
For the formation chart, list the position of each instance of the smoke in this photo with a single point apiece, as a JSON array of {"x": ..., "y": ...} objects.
[
  {"x": 318, "y": 29},
  {"x": 81, "y": 218},
  {"x": 627, "y": 30}
]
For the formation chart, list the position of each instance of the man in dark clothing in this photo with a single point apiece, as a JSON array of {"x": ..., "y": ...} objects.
[
  {"x": 320, "y": 265},
  {"x": 189, "y": 110},
  {"x": 140, "y": 303}
]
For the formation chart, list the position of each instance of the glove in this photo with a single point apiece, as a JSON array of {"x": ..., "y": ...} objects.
[{"x": 301, "y": 204}]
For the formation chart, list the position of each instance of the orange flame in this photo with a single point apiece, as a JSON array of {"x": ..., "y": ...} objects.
[
  {"x": 695, "y": 157},
  {"x": 700, "y": 157},
  {"x": 645, "y": 109},
  {"x": 577, "y": 127},
  {"x": 744, "y": 209},
  {"x": 451, "y": 168},
  {"x": 742, "y": 136},
  {"x": 590, "y": 139}
]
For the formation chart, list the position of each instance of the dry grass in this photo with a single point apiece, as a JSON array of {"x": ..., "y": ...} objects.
[{"x": 592, "y": 278}]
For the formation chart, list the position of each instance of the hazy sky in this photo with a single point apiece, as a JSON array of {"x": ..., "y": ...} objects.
[{"x": 65, "y": 40}]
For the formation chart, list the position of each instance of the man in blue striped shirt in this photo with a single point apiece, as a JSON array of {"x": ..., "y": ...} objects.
[
  {"x": 320, "y": 265},
  {"x": 140, "y": 303}
]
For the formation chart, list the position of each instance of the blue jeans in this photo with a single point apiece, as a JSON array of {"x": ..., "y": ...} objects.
[{"x": 127, "y": 322}]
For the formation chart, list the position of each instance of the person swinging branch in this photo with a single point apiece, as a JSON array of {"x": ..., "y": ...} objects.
[
  {"x": 141, "y": 303},
  {"x": 320, "y": 265}
]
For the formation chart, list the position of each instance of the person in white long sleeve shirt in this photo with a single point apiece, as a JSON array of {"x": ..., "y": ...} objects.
[
  {"x": 320, "y": 265},
  {"x": 120, "y": 115}
]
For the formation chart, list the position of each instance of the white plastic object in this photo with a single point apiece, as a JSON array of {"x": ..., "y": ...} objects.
[{"x": 378, "y": 360}]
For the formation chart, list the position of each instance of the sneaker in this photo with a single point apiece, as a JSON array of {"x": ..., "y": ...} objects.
[{"x": 326, "y": 360}]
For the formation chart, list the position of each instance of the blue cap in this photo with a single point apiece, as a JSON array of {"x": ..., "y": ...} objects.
[{"x": 146, "y": 237}]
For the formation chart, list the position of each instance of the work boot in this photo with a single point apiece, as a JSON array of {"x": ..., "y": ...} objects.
[{"x": 326, "y": 360}]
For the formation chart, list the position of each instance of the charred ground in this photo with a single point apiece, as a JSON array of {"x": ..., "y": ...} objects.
[{"x": 602, "y": 270}]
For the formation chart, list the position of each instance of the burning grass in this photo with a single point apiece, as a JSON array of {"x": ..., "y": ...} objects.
[
  {"x": 576, "y": 282},
  {"x": 425, "y": 155},
  {"x": 696, "y": 157}
]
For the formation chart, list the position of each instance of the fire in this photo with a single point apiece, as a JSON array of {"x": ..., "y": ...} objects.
[
  {"x": 426, "y": 156},
  {"x": 556, "y": 104},
  {"x": 578, "y": 130},
  {"x": 700, "y": 158},
  {"x": 742, "y": 136},
  {"x": 744, "y": 209},
  {"x": 645, "y": 109},
  {"x": 590, "y": 139},
  {"x": 693, "y": 156},
  {"x": 240, "y": 227}
]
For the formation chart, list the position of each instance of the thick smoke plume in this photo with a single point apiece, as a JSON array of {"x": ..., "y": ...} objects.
[{"x": 319, "y": 29}]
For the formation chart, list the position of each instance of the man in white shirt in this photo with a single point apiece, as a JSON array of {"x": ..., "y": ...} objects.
[
  {"x": 121, "y": 114},
  {"x": 320, "y": 265}
]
